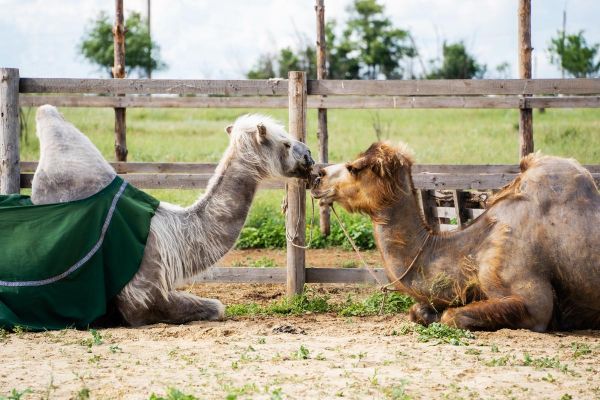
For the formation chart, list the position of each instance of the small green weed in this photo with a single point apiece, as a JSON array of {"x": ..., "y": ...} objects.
[
  {"x": 349, "y": 264},
  {"x": 498, "y": 362},
  {"x": 444, "y": 334},
  {"x": 544, "y": 362},
  {"x": 3, "y": 335},
  {"x": 15, "y": 394},
  {"x": 277, "y": 394},
  {"x": 580, "y": 349},
  {"x": 173, "y": 394},
  {"x": 83, "y": 394},
  {"x": 95, "y": 340},
  {"x": 302, "y": 353},
  {"x": 263, "y": 262},
  {"x": 394, "y": 303}
]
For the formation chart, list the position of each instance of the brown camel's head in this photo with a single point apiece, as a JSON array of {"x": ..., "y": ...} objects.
[{"x": 369, "y": 183}]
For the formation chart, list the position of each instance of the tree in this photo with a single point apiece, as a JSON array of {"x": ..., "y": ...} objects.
[
  {"x": 572, "y": 53},
  {"x": 379, "y": 45},
  {"x": 457, "y": 64},
  {"x": 142, "y": 54},
  {"x": 369, "y": 47}
]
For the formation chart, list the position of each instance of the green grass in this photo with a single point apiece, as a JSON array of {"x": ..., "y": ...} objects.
[
  {"x": 173, "y": 394},
  {"x": 311, "y": 302},
  {"x": 444, "y": 334}
]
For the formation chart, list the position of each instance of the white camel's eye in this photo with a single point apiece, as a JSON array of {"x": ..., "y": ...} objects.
[{"x": 287, "y": 145}]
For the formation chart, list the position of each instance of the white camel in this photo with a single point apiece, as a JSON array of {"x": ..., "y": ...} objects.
[{"x": 182, "y": 241}]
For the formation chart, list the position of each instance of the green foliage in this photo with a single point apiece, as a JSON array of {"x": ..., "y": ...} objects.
[
  {"x": 379, "y": 45},
  {"x": 297, "y": 305},
  {"x": 173, "y": 394},
  {"x": 572, "y": 53},
  {"x": 15, "y": 394},
  {"x": 457, "y": 64},
  {"x": 394, "y": 303},
  {"x": 444, "y": 334},
  {"x": 265, "y": 228},
  {"x": 141, "y": 53},
  {"x": 369, "y": 47},
  {"x": 311, "y": 302},
  {"x": 302, "y": 353}
]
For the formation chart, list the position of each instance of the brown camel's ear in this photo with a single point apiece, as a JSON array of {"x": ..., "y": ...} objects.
[
  {"x": 229, "y": 129},
  {"x": 357, "y": 165}
]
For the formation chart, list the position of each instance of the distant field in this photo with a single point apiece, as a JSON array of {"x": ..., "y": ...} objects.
[{"x": 437, "y": 136}]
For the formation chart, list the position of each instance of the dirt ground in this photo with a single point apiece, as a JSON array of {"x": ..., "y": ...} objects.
[{"x": 310, "y": 356}]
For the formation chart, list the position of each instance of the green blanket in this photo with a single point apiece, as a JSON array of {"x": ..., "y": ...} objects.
[{"x": 60, "y": 264}]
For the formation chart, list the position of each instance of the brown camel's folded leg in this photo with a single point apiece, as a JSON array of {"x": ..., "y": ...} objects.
[
  {"x": 492, "y": 314},
  {"x": 424, "y": 314}
]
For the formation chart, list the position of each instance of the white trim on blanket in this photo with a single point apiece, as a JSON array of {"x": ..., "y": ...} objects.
[{"x": 85, "y": 259}]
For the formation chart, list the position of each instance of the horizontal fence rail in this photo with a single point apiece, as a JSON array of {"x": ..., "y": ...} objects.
[
  {"x": 197, "y": 175},
  {"x": 279, "y": 87},
  {"x": 335, "y": 102},
  {"x": 278, "y": 275}
]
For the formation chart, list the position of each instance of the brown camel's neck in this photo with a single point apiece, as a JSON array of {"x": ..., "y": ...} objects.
[{"x": 403, "y": 238}]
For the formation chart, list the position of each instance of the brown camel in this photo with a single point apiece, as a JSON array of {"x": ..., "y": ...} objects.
[{"x": 531, "y": 261}]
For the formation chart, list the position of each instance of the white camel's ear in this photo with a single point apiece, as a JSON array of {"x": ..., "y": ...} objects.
[
  {"x": 262, "y": 131},
  {"x": 229, "y": 129}
]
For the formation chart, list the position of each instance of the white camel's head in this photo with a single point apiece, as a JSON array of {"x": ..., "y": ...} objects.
[{"x": 265, "y": 144}]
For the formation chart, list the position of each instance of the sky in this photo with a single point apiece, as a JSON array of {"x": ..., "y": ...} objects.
[{"x": 204, "y": 39}]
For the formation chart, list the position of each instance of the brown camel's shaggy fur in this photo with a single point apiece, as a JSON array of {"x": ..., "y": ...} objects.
[{"x": 530, "y": 261}]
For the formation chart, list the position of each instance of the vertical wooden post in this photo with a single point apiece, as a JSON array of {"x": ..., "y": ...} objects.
[
  {"x": 148, "y": 8},
  {"x": 429, "y": 208},
  {"x": 322, "y": 134},
  {"x": 119, "y": 73},
  {"x": 9, "y": 131},
  {"x": 295, "y": 221},
  {"x": 525, "y": 114},
  {"x": 459, "y": 197}
]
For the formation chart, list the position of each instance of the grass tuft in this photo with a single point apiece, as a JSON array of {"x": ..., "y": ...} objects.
[{"x": 444, "y": 334}]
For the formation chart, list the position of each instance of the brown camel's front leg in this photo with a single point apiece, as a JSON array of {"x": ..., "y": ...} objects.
[
  {"x": 491, "y": 314},
  {"x": 424, "y": 314}
]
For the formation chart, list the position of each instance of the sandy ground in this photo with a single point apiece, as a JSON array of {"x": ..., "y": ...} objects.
[{"x": 309, "y": 356}]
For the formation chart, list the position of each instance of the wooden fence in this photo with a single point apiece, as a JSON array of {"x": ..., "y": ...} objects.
[{"x": 297, "y": 94}]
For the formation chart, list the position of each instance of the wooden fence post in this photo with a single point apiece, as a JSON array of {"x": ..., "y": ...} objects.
[
  {"x": 525, "y": 114},
  {"x": 295, "y": 221},
  {"x": 322, "y": 134},
  {"x": 9, "y": 131},
  {"x": 119, "y": 73},
  {"x": 429, "y": 208}
]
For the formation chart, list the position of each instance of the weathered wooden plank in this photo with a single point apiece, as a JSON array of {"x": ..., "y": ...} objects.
[
  {"x": 9, "y": 130},
  {"x": 422, "y": 181},
  {"x": 271, "y": 87},
  {"x": 321, "y": 102},
  {"x": 278, "y": 275},
  {"x": 295, "y": 217},
  {"x": 209, "y": 168},
  {"x": 155, "y": 101},
  {"x": 450, "y": 212},
  {"x": 456, "y": 87},
  {"x": 278, "y": 87}
]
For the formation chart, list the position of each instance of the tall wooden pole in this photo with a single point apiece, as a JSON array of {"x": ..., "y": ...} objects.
[
  {"x": 149, "y": 70},
  {"x": 9, "y": 131},
  {"x": 119, "y": 73},
  {"x": 526, "y": 114},
  {"x": 322, "y": 134},
  {"x": 295, "y": 221}
]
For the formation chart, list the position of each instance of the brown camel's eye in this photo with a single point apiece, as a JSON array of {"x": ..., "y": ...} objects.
[{"x": 351, "y": 169}]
